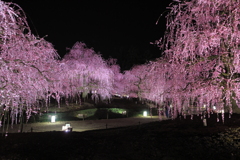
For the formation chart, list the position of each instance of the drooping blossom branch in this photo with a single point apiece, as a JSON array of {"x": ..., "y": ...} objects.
[
  {"x": 27, "y": 62},
  {"x": 202, "y": 46}
]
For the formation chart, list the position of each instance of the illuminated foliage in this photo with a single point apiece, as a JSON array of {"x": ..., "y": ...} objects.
[
  {"x": 201, "y": 45},
  {"x": 84, "y": 71},
  {"x": 27, "y": 63}
]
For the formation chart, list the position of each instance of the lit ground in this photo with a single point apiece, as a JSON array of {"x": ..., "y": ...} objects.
[{"x": 79, "y": 126}]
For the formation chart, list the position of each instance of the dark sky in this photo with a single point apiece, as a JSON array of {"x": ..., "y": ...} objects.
[{"x": 115, "y": 28}]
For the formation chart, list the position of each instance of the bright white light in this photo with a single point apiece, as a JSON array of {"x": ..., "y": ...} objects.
[
  {"x": 117, "y": 95},
  {"x": 53, "y": 118},
  {"x": 214, "y": 107},
  {"x": 204, "y": 106},
  {"x": 64, "y": 128},
  {"x": 144, "y": 113}
]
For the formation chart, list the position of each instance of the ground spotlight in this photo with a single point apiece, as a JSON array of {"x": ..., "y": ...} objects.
[
  {"x": 144, "y": 113},
  {"x": 53, "y": 119}
]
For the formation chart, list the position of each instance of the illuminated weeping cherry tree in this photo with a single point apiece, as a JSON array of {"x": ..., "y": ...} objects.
[
  {"x": 118, "y": 83},
  {"x": 30, "y": 71},
  {"x": 147, "y": 82},
  {"x": 84, "y": 72},
  {"x": 136, "y": 84},
  {"x": 156, "y": 83},
  {"x": 202, "y": 45},
  {"x": 27, "y": 64}
]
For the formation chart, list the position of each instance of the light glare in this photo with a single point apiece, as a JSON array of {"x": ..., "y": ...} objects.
[
  {"x": 53, "y": 119},
  {"x": 144, "y": 113}
]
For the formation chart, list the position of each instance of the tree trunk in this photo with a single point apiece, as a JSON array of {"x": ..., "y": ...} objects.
[
  {"x": 235, "y": 108},
  {"x": 3, "y": 122},
  {"x": 21, "y": 131}
]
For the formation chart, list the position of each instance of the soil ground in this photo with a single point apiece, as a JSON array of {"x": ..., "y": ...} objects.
[{"x": 167, "y": 140}]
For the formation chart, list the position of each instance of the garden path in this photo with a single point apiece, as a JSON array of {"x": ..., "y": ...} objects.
[{"x": 83, "y": 125}]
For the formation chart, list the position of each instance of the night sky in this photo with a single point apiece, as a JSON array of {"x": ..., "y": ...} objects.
[{"x": 114, "y": 28}]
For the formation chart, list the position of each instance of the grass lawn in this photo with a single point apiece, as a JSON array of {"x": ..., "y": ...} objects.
[
  {"x": 167, "y": 140},
  {"x": 128, "y": 137}
]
